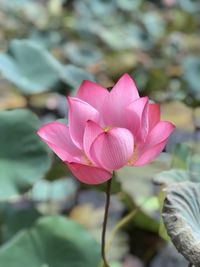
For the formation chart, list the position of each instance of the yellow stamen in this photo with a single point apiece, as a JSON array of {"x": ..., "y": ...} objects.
[
  {"x": 133, "y": 156},
  {"x": 87, "y": 161},
  {"x": 131, "y": 160},
  {"x": 107, "y": 128}
]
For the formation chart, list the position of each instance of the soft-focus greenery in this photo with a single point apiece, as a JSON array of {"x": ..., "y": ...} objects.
[
  {"x": 47, "y": 47},
  {"x": 21, "y": 154}
]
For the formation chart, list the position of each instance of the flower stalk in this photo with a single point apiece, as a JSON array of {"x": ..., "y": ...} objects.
[{"x": 103, "y": 237}]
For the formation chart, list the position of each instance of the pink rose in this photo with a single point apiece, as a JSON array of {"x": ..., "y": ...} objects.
[{"x": 107, "y": 130}]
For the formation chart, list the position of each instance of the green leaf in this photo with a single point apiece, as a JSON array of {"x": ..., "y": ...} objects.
[
  {"x": 122, "y": 37},
  {"x": 174, "y": 176},
  {"x": 47, "y": 39},
  {"x": 154, "y": 24},
  {"x": 129, "y": 5},
  {"x": 15, "y": 217},
  {"x": 14, "y": 4},
  {"x": 99, "y": 8},
  {"x": 82, "y": 54},
  {"x": 30, "y": 67},
  {"x": 192, "y": 6},
  {"x": 147, "y": 221},
  {"x": 57, "y": 190},
  {"x": 23, "y": 156},
  {"x": 52, "y": 197},
  {"x": 191, "y": 74},
  {"x": 115, "y": 264},
  {"x": 181, "y": 215},
  {"x": 54, "y": 241}
]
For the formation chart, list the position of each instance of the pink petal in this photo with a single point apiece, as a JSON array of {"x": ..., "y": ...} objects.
[
  {"x": 89, "y": 174},
  {"x": 125, "y": 87},
  {"x": 137, "y": 118},
  {"x": 56, "y": 136},
  {"x": 154, "y": 143},
  {"x": 92, "y": 130},
  {"x": 121, "y": 95},
  {"x": 154, "y": 115},
  {"x": 79, "y": 113},
  {"x": 92, "y": 93},
  {"x": 112, "y": 149},
  {"x": 159, "y": 133},
  {"x": 150, "y": 154}
]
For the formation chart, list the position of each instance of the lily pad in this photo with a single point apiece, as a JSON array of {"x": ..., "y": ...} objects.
[
  {"x": 175, "y": 176},
  {"x": 30, "y": 67},
  {"x": 83, "y": 54},
  {"x": 154, "y": 24},
  {"x": 57, "y": 190},
  {"x": 15, "y": 4},
  {"x": 192, "y": 6},
  {"x": 15, "y": 217},
  {"x": 47, "y": 39},
  {"x": 122, "y": 37},
  {"x": 191, "y": 74},
  {"x": 129, "y": 5},
  {"x": 52, "y": 197},
  {"x": 23, "y": 156},
  {"x": 54, "y": 241},
  {"x": 181, "y": 215},
  {"x": 99, "y": 8}
]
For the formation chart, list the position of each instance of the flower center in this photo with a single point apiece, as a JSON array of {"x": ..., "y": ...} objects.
[
  {"x": 131, "y": 160},
  {"x": 133, "y": 156},
  {"x": 107, "y": 128},
  {"x": 86, "y": 160}
]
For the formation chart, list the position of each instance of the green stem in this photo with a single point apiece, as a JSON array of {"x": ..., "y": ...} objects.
[
  {"x": 103, "y": 237},
  {"x": 119, "y": 225}
]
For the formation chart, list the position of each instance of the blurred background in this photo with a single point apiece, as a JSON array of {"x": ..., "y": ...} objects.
[{"x": 47, "y": 47}]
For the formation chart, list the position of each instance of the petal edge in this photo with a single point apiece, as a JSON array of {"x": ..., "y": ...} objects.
[
  {"x": 56, "y": 136},
  {"x": 89, "y": 174}
]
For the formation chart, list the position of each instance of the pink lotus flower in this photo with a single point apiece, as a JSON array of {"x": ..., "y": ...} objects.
[{"x": 107, "y": 130}]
